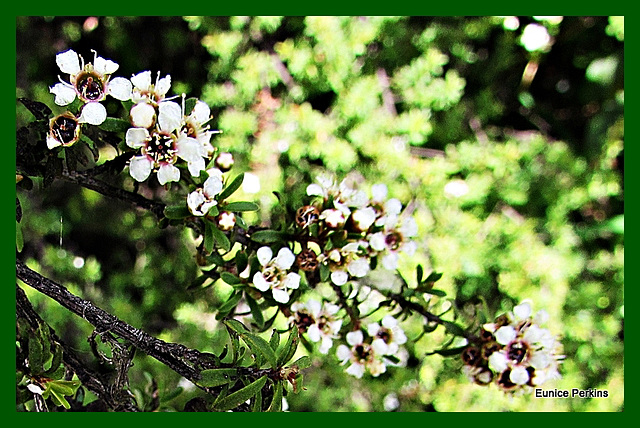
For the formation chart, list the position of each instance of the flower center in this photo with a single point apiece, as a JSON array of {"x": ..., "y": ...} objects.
[
  {"x": 161, "y": 148},
  {"x": 384, "y": 334},
  {"x": 362, "y": 352},
  {"x": 90, "y": 87},
  {"x": 393, "y": 240},
  {"x": 304, "y": 321},
  {"x": 64, "y": 129},
  {"x": 517, "y": 351}
]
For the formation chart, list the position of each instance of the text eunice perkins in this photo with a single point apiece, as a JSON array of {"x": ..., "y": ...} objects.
[{"x": 573, "y": 393}]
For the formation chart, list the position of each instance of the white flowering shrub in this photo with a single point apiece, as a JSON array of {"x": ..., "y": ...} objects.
[{"x": 259, "y": 252}]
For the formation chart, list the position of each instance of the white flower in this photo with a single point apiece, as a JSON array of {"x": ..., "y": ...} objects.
[
  {"x": 333, "y": 218},
  {"x": 274, "y": 273},
  {"x": 91, "y": 83},
  {"x": 145, "y": 91},
  {"x": 361, "y": 355},
  {"x": 226, "y": 220},
  {"x": 202, "y": 199},
  {"x": 320, "y": 322},
  {"x": 387, "y": 337},
  {"x": 63, "y": 131},
  {"x": 394, "y": 238},
  {"x": 196, "y": 127},
  {"x": 161, "y": 148},
  {"x": 363, "y": 218}
]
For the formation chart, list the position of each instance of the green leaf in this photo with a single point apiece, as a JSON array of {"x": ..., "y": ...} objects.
[
  {"x": 241, "y": 223},
  {"x": 258, "y": 318},
  {"x": 36, "y": 355},
  {"x": 55, "y": 362},
  {"x": 208, "y": 236},
  {"x": 112, "y": 124},
  {"x": 448, "y": 352},
  {"x": 198, "y": 282},
  {"x": 324, "y": 272},
  {"x": 176, "y": 212},
  {"x": 453, "y": 328},
  {"x": 236, "y": 326},
  {"x": 276, "y": 402},
  {"x": 231, "y": 188},
  {"x": 19, "y": 238},
  {"x": 230, "y": 278},
  {"x": 419, "y": 273},
  {"x": 433, "y": 277},
  {"x": 266, "y": 236},
  {"x": 303, "y": 362},
  {"x": 241, "y": 206},
  {"x": 274, "y": 341},
  {"x": 234, "y": 399},
  {"x": 228, "y": 306},
  {"x": 290, "y": 346},
  {"x": 436, "y": 292},
  {"x": 217, "y": 377},
  {"x": 260, "y": 346},
  {"x": 241, "y": 261},
  {"x": 221, "y": 238}
]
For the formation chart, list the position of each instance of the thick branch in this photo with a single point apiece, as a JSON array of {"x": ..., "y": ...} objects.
[
  {"x": 90, "y": 379},
  {"x": 178, "y": 357}
]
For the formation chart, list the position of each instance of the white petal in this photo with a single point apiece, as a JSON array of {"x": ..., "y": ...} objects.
[
  {"x": 505, "y": 335},
  {"x": 315, "y": 190},
  {"x": 169, "y": 116},
  {"x": 325, "y": 345},
  {"x": 68, "y": 62},
  {"x": 359, "y": 267},
  {"x": 314, "y": 307},
  {"x": 393, "y": 206},
  {"x": 259, "y": 282},
  {"x": 52, "y": 142},
  {"x": 519, "y": 375},
  {"x": 314, "y": 333},
  {"x": 364, "y": 218},
  {"x": 212, "y": 186},
  {"x": 264, "y": 255},
  {"x": 339, "y": 277},
  {"x": 143, "y": 115},
  {"x": 377, "y": 241},
  {"x": 142, "y": 81},
  {"x": 136, "y": 137},
  {"x": 522, "y": 311},
  {"x": 93, "y": 113},
  {"x": 355, "y": 337},
  {"x": 250, "y": 183},
  {"x": 280, "y": 295},
  {"x": 197, "y": 203},
  {"x": 292, "y": 280},
  {"x": 196, "y": 167},
  {"x": 188, "y": 149},
  {"x": 201, "y": 112},
  {"x": 104, "y": 66},
  {"x": 389, "y": 322},
  {"x": 343, "y": 353},
  {"x": 285, "y": 258},
  {"x": 373, "y": 328},
  {"x": 120, "y": 88},
  {"x": 390, "y": 261},
  {"x": 163, "y": 85},
  {"x": 379, "y": 192},
  {"x": 409, "y": 247},
  {"x": 356, "y": 370},
  {"x": 140, "y": 168},
  {"x": 409, "y": 227},
  {"x": 64, "y": 94},
  {"x": 167, "y": 173},
  {"x": 380, "y": 347},
  {"x": 498, "y": 362}
]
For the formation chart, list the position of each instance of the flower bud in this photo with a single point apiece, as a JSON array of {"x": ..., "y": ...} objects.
[{"x": 224, "y": 161}]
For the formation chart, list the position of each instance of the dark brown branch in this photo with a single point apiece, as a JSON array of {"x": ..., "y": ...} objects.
[{"x": 90, "y": 379}]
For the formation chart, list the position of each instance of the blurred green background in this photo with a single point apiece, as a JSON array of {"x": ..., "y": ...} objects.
[{"x": 515, "y": 159}]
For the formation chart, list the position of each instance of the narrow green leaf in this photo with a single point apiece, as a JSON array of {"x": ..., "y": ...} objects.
[
  {"x": 241, "y": 223},
  {"x": 454, "y": 329},
  {"x": 230, "y": 278},
  {"x": 236, "y": 326},
  {"x": 208, "y": 236},
  {"x": 419, "y": 273},
  {"x": 266, "y": 236},
  {"x": 234, "y": 399},
  {"x": 290, "y": 346},
  {"x": 241, "y": 261},
  {"x": 257, "y": 403},
  {"x": 324, "y": 272},
  {"x": 217, "y": 377},
  {"x": 260, "y": 346},
  {"x": 303, "y": 362},
  {"x": 433, "y": 277},
  {"x": 436, "y": 292},
  {"x": 255, "y": 311},
  {"x": 276, "y": 402},
  {"x": 36, "y": 357},
  {"x": 198, "y": 282},
  {"x": 449, "y": 352},
  {"x": 112, "y": 124},
  {"x": 231, "y": 303},
  {"x": 58, "y": 399},
  {"x": 231, "y": 188},
  {"x": 176, "y": 212},
  {"x": 55, "y": 362},
  {"x": 19, "y": 238},
  {"x": 241, "y": 206},
  {"x": 221, "y": 238},
  {"x": 274, "y": 341}
]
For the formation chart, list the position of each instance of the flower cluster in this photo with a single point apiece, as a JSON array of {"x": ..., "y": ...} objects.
[
  {"x": 375, "y": 227},
  {"x": 162, "y": 130},
  {"x": 515, "y": 353},
  {"x": 373, "y": 353}
]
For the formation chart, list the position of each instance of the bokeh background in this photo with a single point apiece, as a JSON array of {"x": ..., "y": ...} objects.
[{"x": 510, "y": 145}]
